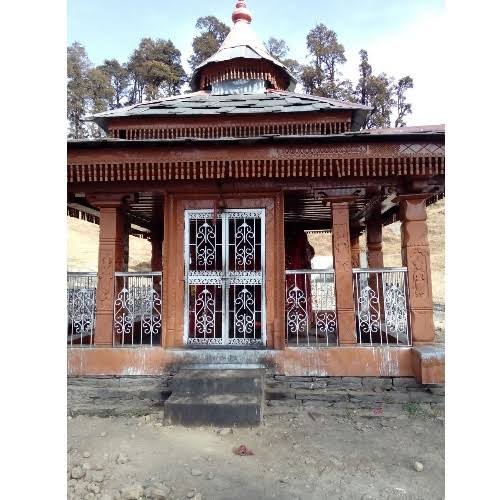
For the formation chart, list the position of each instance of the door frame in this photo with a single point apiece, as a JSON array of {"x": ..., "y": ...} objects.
[{"x": 225, "y": 277}]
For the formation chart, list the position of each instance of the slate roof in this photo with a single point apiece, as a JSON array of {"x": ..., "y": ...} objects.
[{"x": 203, "y": 103}]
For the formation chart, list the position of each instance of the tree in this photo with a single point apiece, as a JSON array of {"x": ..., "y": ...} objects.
[
  {"x": 207, "y": 43},
  {"x": 99, "y": 94},
  {"x": 156, "y": 70},
  {"x": 380, "y": 96},
  {"x": 78, "y": 65},
  {"x": 277, "y": 48},
  {"x": 365, "y": 72},
  {"x": 403, "y": 108},
  {"x": 119, "y": 80},
  {"x": 327, "y": 54}
]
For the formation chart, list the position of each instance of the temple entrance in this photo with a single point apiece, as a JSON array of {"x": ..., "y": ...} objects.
[{"x": 224, "y": 278}]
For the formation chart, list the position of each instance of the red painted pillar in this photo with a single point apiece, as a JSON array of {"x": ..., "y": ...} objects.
[
  {"x": 375, "y": 253},
  {"x": 415, "y": 255},
  {"x": 342, "y": 261},
  {"x": 156, "y": 252},
  {"x": 111, "y": 259}
]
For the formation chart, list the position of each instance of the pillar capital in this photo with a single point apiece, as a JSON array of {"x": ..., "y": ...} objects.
[
  {"x": 109, "y": 200},
  {"x": 413, "y": 206}
]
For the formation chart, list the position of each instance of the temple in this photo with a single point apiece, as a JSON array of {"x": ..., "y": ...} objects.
[{"x": 226, "y": 182}]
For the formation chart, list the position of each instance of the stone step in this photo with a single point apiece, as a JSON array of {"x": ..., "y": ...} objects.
[
  {"x": 217, "y": 409},
  {"x": 203, "y": 381}
]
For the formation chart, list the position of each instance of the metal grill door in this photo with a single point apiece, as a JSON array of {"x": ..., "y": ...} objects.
[{"x": 224, "y": 274}]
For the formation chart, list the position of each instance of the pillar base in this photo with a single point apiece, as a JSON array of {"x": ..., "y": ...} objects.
[{"x": 429, "y": 364}]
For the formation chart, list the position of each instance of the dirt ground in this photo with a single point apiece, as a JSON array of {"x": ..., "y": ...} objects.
[{"x": 310, "y": 454}]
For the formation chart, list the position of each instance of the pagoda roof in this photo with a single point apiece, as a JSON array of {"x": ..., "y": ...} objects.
[{"x": 204, "y": 103}]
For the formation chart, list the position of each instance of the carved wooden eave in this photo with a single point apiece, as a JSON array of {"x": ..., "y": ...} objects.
[{"x": 265, "y": 157}]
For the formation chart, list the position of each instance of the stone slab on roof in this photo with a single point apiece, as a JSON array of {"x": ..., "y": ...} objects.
[{"x": 203, "y": 103}]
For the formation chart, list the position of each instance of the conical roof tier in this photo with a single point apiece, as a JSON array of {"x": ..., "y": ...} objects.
[{"x": 242, "y": 56}]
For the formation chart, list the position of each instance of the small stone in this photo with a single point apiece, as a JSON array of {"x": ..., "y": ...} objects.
[
  {"x": 418, "y": 466},
  {"x": 86, "y": 466},
  {"x": 94, "y": 488},
  {"x": 225, "y": 432},
  {"x": 122, "y": 458},
  {"x": 210, "y": 475},
  {"x": 191, "y": 494},
  {"x": 132, "y": 492},
  {"x": 132, "y": 436},
  {"x": 283, "y": 480},
  {"x": 106, "y": 496},
  {"x": 86, "y": 454},
  {"x": 70, "y": 417},
  {"x": 104, "y": 434},
  {"x": 98, "y": 466},
  {"x": 77, "y": 472},
  {"x": 197, "y": 496},
  {"x": 196, "y": 472}
]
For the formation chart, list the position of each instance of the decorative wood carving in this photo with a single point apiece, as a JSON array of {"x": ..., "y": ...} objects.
[
  {"x": 224, "y": 161},
  {"x": 416, "y": 256}
]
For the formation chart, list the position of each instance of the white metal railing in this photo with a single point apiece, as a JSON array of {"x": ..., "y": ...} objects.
[
  {"x": 310, "y": 307},
  {"x": 137, "y": 309},
  {"x": 81, "y": 294},
  {"x": 381, "y": 306}
]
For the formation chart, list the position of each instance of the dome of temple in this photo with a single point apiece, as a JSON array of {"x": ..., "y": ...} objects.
[{"x": 242, "y": 61}]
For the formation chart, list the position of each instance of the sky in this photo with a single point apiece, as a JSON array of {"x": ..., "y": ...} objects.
[{"x": 402, "y": 37}]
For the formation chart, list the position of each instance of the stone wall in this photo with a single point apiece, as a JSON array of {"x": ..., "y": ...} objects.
[
  {"x": 139, "y": 395},
  {"x": 376, "y": 396},
  {"x": 107, "y": 396}
]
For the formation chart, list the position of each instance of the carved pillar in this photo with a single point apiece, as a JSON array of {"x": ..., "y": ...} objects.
[
  {"x": 375, "y": 257},
  {"x": 374, "y": 242},
  {"x": 156, "y": 252},
  {"x": 415, "y": 255},
  {"x": 355, "y": 252},
  {"x": 111, "y": 259},
  {"x": 343, "y": 272}
]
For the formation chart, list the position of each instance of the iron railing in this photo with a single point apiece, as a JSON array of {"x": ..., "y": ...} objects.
[
  {"x": 81, "y": 294},
  {"x": 310, "y": 308},
  {"x": 381, "y": 305},
  {"x": 137, "y": 309}
]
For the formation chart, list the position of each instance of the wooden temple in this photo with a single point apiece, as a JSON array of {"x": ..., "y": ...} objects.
[{"x": 226, "y": 182}]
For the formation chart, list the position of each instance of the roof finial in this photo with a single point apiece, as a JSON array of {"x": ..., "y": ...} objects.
[{"x": 241, "y": 13}]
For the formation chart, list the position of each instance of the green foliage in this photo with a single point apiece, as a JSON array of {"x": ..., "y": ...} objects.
[
  {"x": 212, "y": 33},
  {"x": 119, "y": 80},
  {"x": 327, "y": 54},
  {"x": 277, "y": 48},
  {"x": 78, "y": 65},
  {"x": 403, "y": 108},
  {"x": 155, "y": 69}
]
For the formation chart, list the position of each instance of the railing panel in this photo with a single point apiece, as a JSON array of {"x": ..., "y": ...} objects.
[
  {"x": 137, "y": 309},
  {"x": 310, "y": 316},
  {"x": 81, "y": 295},
  {"x": 381, "y": 302}
]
